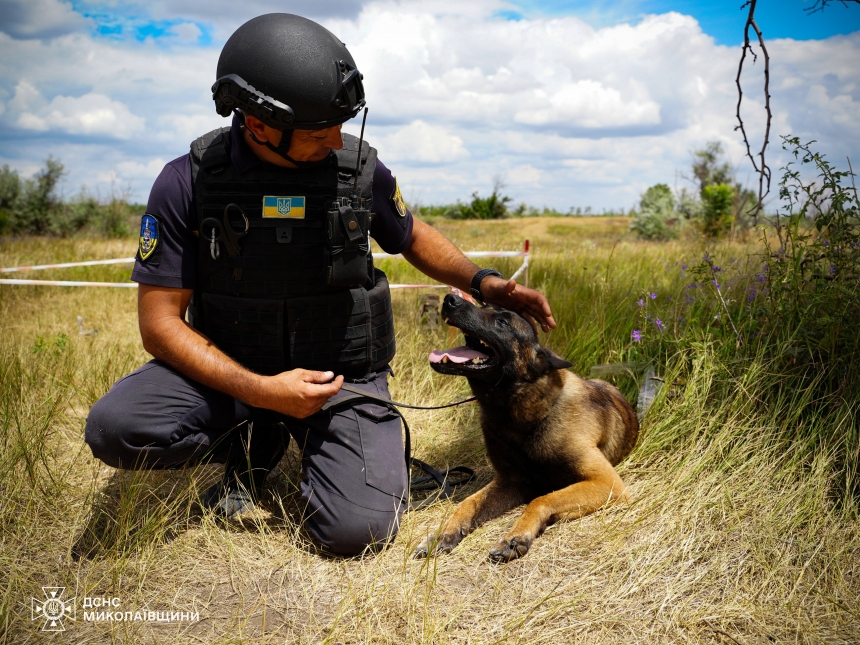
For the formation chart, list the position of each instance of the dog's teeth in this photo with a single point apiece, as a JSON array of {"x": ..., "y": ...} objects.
[
  {"x": 444, "y": 359},
  {"x": 447, "y": 320}
]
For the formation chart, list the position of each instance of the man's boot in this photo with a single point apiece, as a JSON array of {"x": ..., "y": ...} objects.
[{"x": 254, "y": 451}]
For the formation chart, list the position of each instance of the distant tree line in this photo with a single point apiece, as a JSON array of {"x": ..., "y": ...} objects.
[
  {"x": 496, "y": 206},
  {"x": 34, "y": 206}
]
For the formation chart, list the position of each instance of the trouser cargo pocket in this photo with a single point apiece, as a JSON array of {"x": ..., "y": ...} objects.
[{"x": 382, "y": 445}]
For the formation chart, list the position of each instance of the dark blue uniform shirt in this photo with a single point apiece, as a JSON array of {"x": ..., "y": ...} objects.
[{"x": 170, "y": 200}]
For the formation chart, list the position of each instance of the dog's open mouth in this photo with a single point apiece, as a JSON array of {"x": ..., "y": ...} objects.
[{"x": 475, "y": 353}]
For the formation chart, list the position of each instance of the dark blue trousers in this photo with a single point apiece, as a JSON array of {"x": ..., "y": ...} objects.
[{"x": 355, "y": 479}]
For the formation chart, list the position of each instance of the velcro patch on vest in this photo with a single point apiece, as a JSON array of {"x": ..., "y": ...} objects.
[
  {"x": 150, "y": 238},
  {"x": 284, "y": 207}
]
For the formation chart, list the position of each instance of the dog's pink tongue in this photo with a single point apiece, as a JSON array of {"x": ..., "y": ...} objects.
[{"x": 456, "y": 355}]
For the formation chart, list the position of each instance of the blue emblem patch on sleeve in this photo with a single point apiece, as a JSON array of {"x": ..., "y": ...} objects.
[{"x": 149, "y": 237}]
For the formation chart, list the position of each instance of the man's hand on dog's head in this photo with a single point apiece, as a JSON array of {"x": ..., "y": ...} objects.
[{"x": 528, "y": 303}]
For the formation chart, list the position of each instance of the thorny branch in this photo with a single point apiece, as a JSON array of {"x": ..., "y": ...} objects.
[{"x": 761, "y": 168}]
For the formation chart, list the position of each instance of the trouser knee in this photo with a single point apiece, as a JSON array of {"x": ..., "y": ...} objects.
[
  {"x": 102, "y": 434},
  {"x": 348, "y": 530}
]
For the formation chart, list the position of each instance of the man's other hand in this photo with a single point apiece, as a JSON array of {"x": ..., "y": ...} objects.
[
  {"x": 300, "y": 393},
  {"x": 528, "y": 303}
]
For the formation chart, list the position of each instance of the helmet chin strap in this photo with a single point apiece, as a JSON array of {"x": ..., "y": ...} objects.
[{"x": 282, "y": 149}]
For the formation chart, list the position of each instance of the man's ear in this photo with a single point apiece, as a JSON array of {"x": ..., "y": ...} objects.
[
  {"x": 556, "y": 362},
  {"x": 260, "y": 129}
]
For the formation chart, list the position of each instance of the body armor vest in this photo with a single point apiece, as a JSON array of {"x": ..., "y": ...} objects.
[{"x": 285, "y": 276}]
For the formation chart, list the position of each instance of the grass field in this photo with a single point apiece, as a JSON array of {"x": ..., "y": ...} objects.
[{"x": 737, "y": 532}]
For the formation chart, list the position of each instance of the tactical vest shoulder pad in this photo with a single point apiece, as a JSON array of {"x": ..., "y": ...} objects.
[
  {"x": 346, "y": 162},
  {"x": 211, "y": 151}
]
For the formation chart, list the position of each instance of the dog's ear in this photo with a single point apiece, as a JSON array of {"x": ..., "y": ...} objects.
[{"x": 556, "y": 362}]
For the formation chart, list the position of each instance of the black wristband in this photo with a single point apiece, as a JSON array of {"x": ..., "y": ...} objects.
[{"x": 475, "y": 286}]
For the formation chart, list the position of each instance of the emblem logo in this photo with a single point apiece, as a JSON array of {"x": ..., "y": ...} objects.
[
  {"x": 397, "y": 200},
  {"x": 149, "y": 235},
  {"x": 53, "y": 609},
  {"x": 284, "y": 207}
]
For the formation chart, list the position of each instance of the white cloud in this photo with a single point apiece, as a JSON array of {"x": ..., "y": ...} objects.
[
  {"x": 587, "y": 104},
  {"x": 39, "y": 18},
  {"x": 186, "y": 32},
  {"x": 92, "y": 113},
  {"x": 422, "y": 143},
  {"x": 569, "y": 113}
]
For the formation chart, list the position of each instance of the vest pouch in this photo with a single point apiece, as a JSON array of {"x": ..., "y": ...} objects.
[
  {"x": 248, "y": 330},
  {"x": 348, "y": 245}
]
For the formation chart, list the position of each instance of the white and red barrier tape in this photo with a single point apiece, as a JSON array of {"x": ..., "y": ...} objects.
[{"x": 523, "y": 270}]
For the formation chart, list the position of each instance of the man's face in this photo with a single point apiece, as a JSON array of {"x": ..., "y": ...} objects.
[
  {"x": 314, "y": 145},
  {"x": 306, "y": 145}
]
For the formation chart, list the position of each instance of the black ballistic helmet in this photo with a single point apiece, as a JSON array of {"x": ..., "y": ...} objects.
[{"x": 290, "y": 73}]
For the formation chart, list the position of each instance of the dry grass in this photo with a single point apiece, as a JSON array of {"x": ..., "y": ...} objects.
[{"x": 731, "y": 537}]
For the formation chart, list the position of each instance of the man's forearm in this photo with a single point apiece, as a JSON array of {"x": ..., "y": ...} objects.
[
  {"x": 434, "y": 255},
  {"x": 175, "y": 342},
  {"x": 161, "y": 313}
]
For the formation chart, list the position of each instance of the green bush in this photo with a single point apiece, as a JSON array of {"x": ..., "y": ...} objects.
[
  {"x": 32, "y": 207},
  {"x": 717, "y": 206},
  {"x": 813, "y": 275},
  {"x": 656, "y": 212}
]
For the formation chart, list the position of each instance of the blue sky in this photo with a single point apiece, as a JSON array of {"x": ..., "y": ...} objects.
[
  {"x": 721, "y": 19},
  {"x": 569, "y": 103}
]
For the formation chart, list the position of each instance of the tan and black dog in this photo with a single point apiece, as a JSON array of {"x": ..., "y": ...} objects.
[{"x": 551, "y": 436}]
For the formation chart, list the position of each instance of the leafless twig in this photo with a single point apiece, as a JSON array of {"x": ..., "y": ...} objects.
[
  {"x": 821, "y": 4},
  {"x": 761, "y": 168},
  {"x": 720, "y": 631}
]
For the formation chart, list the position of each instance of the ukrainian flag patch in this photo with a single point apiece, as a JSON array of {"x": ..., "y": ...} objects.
[{"x": 284, "y": 207}]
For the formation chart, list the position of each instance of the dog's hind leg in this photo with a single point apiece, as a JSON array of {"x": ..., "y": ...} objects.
[
  {"x": 604, "y": 486},
  {"x": 491, "y": 501}
]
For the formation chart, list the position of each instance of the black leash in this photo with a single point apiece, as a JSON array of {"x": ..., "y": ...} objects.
[{"x": 434, "y": 479}]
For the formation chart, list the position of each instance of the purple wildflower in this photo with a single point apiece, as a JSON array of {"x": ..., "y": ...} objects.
[
  {"x": 653, "y": 296},
  {"x": 668, "y": 298},
  {"x": 751, "y": 296},
  {"x": 832, "y": 269},
  {"x": 641, "y": 302},
  {"x": 759, "y": 277},
  {"x": 689, "y": 299},
  {"x": 716, "y": 284},
  {"x": 659, "y": 324},
  {"x": 637, "y": 335},
  {"x": 648, "y": 316},
  {"x": 716, "y": 269}
]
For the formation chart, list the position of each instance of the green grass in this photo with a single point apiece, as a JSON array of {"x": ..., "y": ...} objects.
[{"x": 742, "y": 520}]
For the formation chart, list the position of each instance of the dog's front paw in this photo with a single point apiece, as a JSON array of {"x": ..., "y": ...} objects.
[
  {"x": 510, "y": 548},
  {"x": 437, "y": 543}
]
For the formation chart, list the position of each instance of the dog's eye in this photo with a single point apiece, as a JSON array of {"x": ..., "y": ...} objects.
[{"x": 502, "y": 322}]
